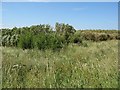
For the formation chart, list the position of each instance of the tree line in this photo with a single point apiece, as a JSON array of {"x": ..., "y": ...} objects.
[{"x": 43, "y": 36}]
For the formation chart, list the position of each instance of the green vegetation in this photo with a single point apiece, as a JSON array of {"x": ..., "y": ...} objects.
[
  {"x": 91, "y": 65},
  {"x": 41, "y": 57},
  {"x": 39, "y": 36},
  {"x": 44, "y": 37}
]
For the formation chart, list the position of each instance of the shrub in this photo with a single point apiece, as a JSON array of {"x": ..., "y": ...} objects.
[
  {"x": 89, "y": 36},
  {"x": 44, "y": 37},
  {"x": 117, "y": 37},
  {"x": 26, "y": 41},
  {"x": 14, "y": 40},
  {"x": 41, "y": 41},
  {"x": 110, "y": 37},
  {"x": 48, "y": 41},
  {"x": 4, "y": 40},
  {"x": 57, "y": 43},
  {"x": 102, "y": 37},
  {"x": 65, "y": 30},
  {"x": 76, "y": 39},
  {"x": 8, "y": 40}
]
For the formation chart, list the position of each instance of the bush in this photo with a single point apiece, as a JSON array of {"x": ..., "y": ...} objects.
[
  {"x": 4, "y": 40},
  {"x": 102, "y": 37},
  {"x": 76, "y": 39},
  {"x": 26, "y": 41},
  {"x": 65, "y": 30},
  {"x": 89, "y": 36},
  {"x": 14, "y": 40},
  {"x": 41, "y": 41},
  {"x": 49, "y": 41},
  {"x": 57, "y": 43},
  {"x": 117, "y": 37},
  {"x": 8, "y": 40},
  {"x": 44, "y": 37},
  {"x": 110, "y": 37},
  {"x": 97, "y": 36}
]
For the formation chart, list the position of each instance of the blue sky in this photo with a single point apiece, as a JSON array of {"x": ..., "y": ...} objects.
[
  {"x": 59, "y": 0},
  {"x": 82, "y": 15}
]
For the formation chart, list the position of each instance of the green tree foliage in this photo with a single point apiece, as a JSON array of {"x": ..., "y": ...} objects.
[
  {"x": 76, "y": 38},
  {"x": 26, "y": 41},
  {"x": 14, "y": 40},
  {"x": 66, "y": 30},
  {"x": 48, "y": 41},
  {"x": 44, "y": 37}
]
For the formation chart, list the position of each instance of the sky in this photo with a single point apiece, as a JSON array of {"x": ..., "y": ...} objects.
[
  {"x": 60, "y": 0},
  {"x": 81, "y": 15}
]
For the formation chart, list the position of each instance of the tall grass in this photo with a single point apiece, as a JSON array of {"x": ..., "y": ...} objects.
[{"x": 91, "y": 65}]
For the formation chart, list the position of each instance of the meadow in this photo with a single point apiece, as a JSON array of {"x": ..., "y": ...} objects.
[
  {"x": 42, "y": 57},
  {"x": 90, "y": 65}
]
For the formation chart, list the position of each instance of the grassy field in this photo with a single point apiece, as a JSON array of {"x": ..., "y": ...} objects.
[{"x": 91, "y": 65}]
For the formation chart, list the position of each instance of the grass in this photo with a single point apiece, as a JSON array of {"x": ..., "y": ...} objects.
[{"x": 91, "y": 65}]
